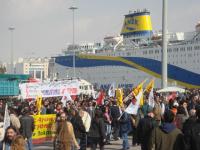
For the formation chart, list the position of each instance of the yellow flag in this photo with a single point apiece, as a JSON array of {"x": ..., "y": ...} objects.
[
  {"x": 39, "y": 103},
  {"x": 137, "y": 90},
  {"x": 119, "y": 97},
  {"x": 150, "y": 86}
]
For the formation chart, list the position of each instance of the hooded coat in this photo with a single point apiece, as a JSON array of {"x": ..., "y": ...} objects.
[{"x": 166, "y": 137}]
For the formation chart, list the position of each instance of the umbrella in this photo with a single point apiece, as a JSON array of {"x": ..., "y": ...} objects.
[{"x": 171, "y": 89}]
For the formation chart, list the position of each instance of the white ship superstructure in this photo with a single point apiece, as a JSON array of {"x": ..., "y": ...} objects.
[{"x": 135, "y": 55}]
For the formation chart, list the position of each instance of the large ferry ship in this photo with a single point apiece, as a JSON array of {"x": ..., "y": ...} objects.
[{"x": 135, "y": 55}]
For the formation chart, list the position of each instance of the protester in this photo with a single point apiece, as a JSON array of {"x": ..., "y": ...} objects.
[
  {"x": 79, "y": 128},
  {"x": 167, "y": 136},
  {"x": 96, "y": 135},
  {"x": 85, "y": 118},
  {"x": 58, "y": 109},
  {"x": 107, "y": 120},
  {"x": 182, "y": 115},
  {"x": 18, "y": 143},
  {"x": 14, "y": 120},
  {"x": 91, "y": 109},
  {"x": 10, "y": 135},
  {"x": 192, "y": 133},
  {"x": 115, "y": 114},
  {"x": 145, "y": 127},
  {"x": 27, "y": 127},
  {"x": 65, "y": 134},
  {"x": 125, "y": 128},
  {"x": 83, "y": 122},
  {"x": 1, "y": 127},
  {"x": 135, "y": 121},
  {"x": 157, "y": 110},
  {"x": 45, "y": 109}
]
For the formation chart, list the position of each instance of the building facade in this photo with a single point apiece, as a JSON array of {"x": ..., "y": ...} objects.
[{"x": 37, "y": 68}]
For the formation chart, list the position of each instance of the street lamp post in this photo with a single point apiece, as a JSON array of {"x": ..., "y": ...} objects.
[
  {"x": 73, "y": 40},
  {"x": 11, "y": 29},
  {"x": 164, "y": 44}
]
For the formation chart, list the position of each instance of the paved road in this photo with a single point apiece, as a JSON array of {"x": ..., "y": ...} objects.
[{"x": 116, "y": 145}]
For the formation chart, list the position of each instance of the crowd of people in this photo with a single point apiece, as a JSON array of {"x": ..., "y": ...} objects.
[{"x": 172, "y": 124}]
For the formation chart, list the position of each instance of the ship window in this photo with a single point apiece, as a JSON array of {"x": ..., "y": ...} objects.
[
  {"x": 175, "y": 49},
  {"x": 189, "y": 48},
  {"x": 151, "y": 52},
  {"x": 144, "y": 52},
  {"x": 197, "y": 47},
  {"x": 182, "y": 49},
  {"x": 156, "y": 51},
  {"x": 169, "y": 50}
]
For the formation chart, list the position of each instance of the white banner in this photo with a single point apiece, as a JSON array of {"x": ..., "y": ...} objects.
[
  {"x": 50, "y": 89},
  {"x": 133, "y": 108}
]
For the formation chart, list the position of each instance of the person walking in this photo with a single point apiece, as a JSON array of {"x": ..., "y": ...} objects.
[
  {"x": 79, "y": 128},
  {"x": 27, "y": 127},
  {"x": 107, "y": 120},
  {"x": 115, "y": 114},
  {"x": 125, "y": 128},
  {"x": 145, "y": 127},
  {"x": 65, "y": 135},
  {"x": 96, "y": 133}
]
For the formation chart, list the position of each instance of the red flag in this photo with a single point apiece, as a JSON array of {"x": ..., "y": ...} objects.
[{"x": 100, "y": 99}]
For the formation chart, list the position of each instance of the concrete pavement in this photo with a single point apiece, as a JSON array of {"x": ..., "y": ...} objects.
[{"x": 116, "y": 145}]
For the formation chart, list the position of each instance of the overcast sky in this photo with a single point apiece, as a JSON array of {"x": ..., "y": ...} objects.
[{"x": 44, "y": 27}]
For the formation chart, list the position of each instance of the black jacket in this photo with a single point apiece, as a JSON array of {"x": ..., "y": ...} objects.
[
  {"x": 188, "y": 124},
  {"x": 79, "y": 128},
  {"x": 115, "y": 112},
  {"x": 192, "y": 137},
  {"x": 97, "y": 128},
  {"x": 27, "y": 126},
  {"x": 125, "y": 123},
  {"x": 144, "y": 129}
]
